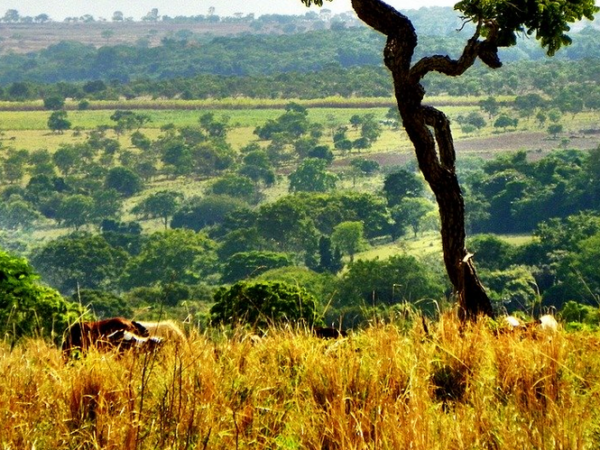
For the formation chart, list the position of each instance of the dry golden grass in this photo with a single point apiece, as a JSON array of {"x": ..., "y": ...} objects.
[{"x": 379, "y": 389}]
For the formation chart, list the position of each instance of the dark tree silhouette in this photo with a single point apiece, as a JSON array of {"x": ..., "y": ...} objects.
[{"x": 496, "y": 25}]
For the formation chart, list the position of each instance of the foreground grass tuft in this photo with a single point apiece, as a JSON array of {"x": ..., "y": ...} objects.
[{"x": 382, "y": 388}]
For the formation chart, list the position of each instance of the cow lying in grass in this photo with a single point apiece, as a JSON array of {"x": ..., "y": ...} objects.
[{"x": 81, "y": 336}]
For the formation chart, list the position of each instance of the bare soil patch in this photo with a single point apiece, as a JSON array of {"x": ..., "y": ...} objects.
[{"x": 536, "y": 143}]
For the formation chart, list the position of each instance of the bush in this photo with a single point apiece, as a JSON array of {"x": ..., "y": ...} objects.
[
  {"x": 28, "y": 308},
  {"x": 263, "y": 304}
]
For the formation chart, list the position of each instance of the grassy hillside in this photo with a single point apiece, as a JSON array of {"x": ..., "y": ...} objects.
[{"x": 382, "y": 388}]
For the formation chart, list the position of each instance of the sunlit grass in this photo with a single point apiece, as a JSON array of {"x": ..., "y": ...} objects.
[
  {"x": 428, "y": 243},
  {"x": 382, "y": 388}
]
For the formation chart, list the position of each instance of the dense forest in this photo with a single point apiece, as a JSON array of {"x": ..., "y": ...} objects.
[{"x": 122, "y": 231}]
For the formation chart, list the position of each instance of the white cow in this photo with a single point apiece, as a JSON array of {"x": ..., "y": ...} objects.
[
  {"x": 165, "y": 329},
  {"x": 547, "y": 322}
]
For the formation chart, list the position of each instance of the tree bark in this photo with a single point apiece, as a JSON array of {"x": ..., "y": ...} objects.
[{"x": 429, "y": 131}]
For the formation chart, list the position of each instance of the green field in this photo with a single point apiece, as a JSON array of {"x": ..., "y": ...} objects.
[{"x": 29, "y": 130}]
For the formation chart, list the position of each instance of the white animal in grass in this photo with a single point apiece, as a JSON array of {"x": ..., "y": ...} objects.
[
  {"x": 513, "y": 322},
  {"x": 547, "y": 322},
  {"x": 166, "y": 329}
]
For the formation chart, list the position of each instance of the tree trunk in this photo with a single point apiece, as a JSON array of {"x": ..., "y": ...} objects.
[{"x": 429, "y": 131}]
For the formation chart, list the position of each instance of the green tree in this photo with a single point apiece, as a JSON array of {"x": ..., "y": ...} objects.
[
  {"x": 528, "y": 103},
  {"x": 349, "y": 237},
  {"x": 162, "y": 204},
  {"x": 401, "y": 184},
  {"x": 58, "y": 122},
  {"x": 555, "y": 129},
  {"x": 197, "y": 213},
  {"x": 394, "y": 280},
  {"x": 128, "y": 120},
  {"x": 75, "y": 211},
  {"x": 585, "y": 267},
  {"x": 492, "y": 252},
  {"x": 505, "y": 121},
  {"x": 18, "y": 215},
  {"x": 475, "y": 119},
  {"x": 40, "y": 162},
  {"x": 107, "y": 204},
  {"x": 286, "y": 224},
  {"x": 140, "y": 141},
  {"x": 365, "y": 166},
  {"x": 176, "y": 155},
  {"x": 330, "y": 259},
  {"x": 263, "y": 304},
  {"x": 370, "y": 129},
  {"x": 321, "y": 285},
  {"x": 292, "y": 124},
  {"x": 490, "y": 106},
  {"x": 411, "y": 212},
  {"x": 497, "y": 25},
  {"x": 27, "y": 307},
  {"x": 257, "y": 166},
  {"x": 235, "y": 186},
  {"x": 312, "y": 176},
  {"x": 79, "y": 261},
  {"x": 11, "y": 15},
  {"x": 240, "y": 240},
  {"x": 14, "y": 165},
  {"x": 213, "y": 127},
  {"x": 541, "y": 117},
  {"x": 107, "y": 34},
  {"x": 66, "y": 158},
  {"x": 171, "y": 256},
  {"x": 124, "y": 181},
  {"x": 54, "y": 102},
  {"x": 569, "y": 101}
]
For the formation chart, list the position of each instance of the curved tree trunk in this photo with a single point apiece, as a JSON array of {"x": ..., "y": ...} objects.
[{"x": 429, "y": 131}]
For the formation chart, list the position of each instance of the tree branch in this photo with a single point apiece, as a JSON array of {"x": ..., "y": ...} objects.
[
  {"x": 446, "y": 65},
  {"x": 486, "y": 50},
  {"x": 382, "y": 17}
]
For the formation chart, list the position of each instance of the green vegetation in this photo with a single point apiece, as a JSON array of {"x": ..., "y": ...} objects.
[{"x": 162, "y": 201}]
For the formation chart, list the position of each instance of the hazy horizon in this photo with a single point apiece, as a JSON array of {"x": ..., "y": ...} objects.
[{"x": 58, "y": 11}]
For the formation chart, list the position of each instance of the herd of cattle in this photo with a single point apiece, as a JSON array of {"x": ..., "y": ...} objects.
[{"x": 122, "y": 334}]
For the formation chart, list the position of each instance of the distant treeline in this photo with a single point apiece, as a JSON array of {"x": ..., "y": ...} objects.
[
  {"x": 244, "y": 58},
  {"x": 549, "y": 78}
]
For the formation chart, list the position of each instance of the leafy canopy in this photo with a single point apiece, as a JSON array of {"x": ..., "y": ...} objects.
[{"x": 548, "y": 20}]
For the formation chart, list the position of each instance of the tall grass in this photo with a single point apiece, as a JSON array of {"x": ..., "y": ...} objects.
[{"x": 382, "y": 388}]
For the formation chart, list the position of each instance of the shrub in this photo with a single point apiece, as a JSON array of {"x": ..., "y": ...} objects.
[
  {"x": 262, "y": 304},
  {"x": 28, "y": 308}
]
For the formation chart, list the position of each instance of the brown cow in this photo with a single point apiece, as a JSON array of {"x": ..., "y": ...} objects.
[{"x": 84, "y": 335}]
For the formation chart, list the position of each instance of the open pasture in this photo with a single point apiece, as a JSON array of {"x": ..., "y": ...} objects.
[
  {"x": 381, "y": 388},
  {"x": 29, "y": 130}
]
